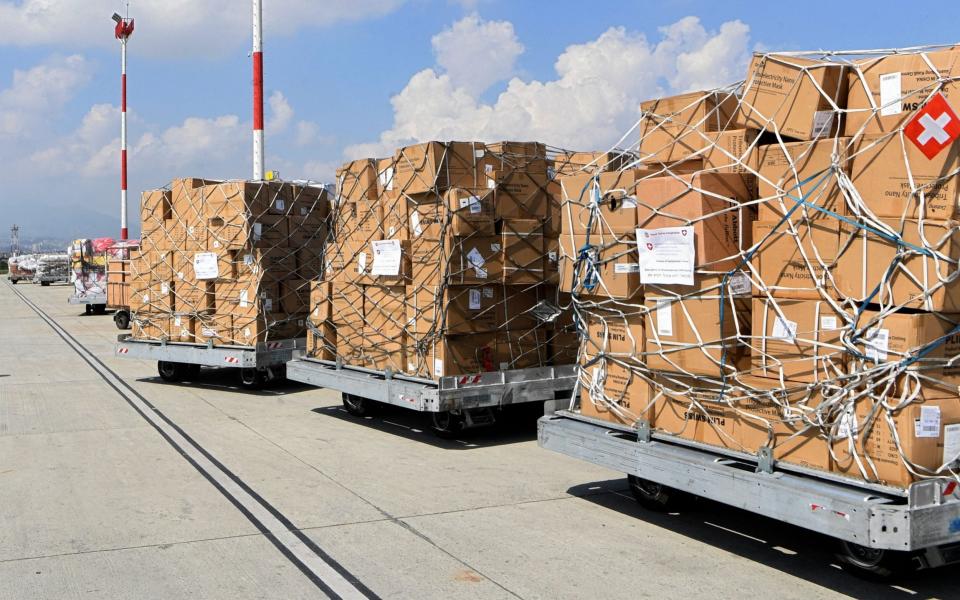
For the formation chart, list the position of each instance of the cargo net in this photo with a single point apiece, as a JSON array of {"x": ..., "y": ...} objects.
[
  {"x": 775, "y": 270},
  {"x": 444, "y": 261},
  {"x": 227, "y": 262},
  {"x": 88, "y": 266}
]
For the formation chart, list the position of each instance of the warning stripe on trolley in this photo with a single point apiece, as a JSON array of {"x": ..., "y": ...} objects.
[
  {"x": 469, "y": 380},
  {"x": 325, "y": 572},
  {"x": 274, "y": 345},
  {"x": 232, "y": 360},
  {"x": 123, "y": 350}
]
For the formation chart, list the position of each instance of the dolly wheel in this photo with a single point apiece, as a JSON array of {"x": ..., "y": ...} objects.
[
  {"x": 14, "y": 281},
  {"x": 171, "y": 372},
  {"x": 100, "y": 309},
  {"x": 87, "y": 309},
  {"x": 122, "y": 319},
  {"x": 44, "y": 284},
  {"x": 446, "y": 425},
  {"x": 252, "y": 379},
  {"x": 192, "y": 372},
  {"x": 874, "y": 564},
  {"x": 357, "y": 406},
  {"x": 652, "y": 495}
]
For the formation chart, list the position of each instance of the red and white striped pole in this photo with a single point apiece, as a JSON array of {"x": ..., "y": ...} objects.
[
  {"x": 123, "y": 31},
  {"x": 257, "y": 90}
]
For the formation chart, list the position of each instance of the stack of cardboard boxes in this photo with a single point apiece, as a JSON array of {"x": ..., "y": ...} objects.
[
  {"x": 443, "y": 261},
  {"x": 227, "y": 263},
  {"x": 780, "y": 269}
]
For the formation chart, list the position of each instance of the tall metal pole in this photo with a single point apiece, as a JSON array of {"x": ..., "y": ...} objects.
[
  {"x": 257, "y": 90},
  {"x": 123, "y": 30},
  {"x": 123, "y": 140}
]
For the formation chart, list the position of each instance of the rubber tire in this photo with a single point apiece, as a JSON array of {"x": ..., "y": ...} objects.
[
  {"x": 44, "y": 284},
  {"x": 357, "y": 406},
  {"x": 252, "y": 379},
  {"x": 14, "y": 281},
  {"x": 874, "y": 565},
  {"x": 99, "y": 309},
  {"x": 446, "y": 425},
  {"x": 87, "y": 309},
  {"x": 651, "y": 495},
  {"x": 171, "y": 372},
  {"x": 122, "y": 319}
]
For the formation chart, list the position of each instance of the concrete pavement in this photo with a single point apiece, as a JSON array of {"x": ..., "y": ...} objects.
[{"x": 95, "y": 503}]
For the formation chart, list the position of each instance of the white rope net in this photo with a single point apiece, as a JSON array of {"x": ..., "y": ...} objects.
[{"x": 821, "y": 316}]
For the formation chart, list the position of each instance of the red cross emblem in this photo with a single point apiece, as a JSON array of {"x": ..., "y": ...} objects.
[{"x": 934, "y": 127}]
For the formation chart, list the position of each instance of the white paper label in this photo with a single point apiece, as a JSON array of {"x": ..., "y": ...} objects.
[
  {"x": 279, "y": 204},
  {"x": 475, "y": 206},
  {"x": 244, "y": 299},
  {"x": 146, "y": 298},
  {"x": 552, "y": 256},
  {"x": 629, "y": 203},
  {"x": 665, "y": 318},
  {"x": 216, "y": 243},
  {"x": 848, "y": 425},
  {"x": 475, "y": 258},
  {"x": 491, "y": 184},
  {"x": 891, "y": 94},
  {"x": 386, "y": 257},
  {"x": 213, "y": 332},
  {"x": 248, "y": 259},
  {"x": 362, "y": 263},
  {"x": 246, "y": 332},
  {"x": 740, "y": 284},
  {"x": 624, "y": 268},
  {"x": 268, "y": 305},
  {"x": 488, "y": 292},
  {"x": 928, "y": 425},
  {"x": 828, "y": 323},
  {"x": 176, "y": 321},
  {"x": 784, "y": 330},
  {"x": 951, "y": 443},
  {"x": 386, "y": 178},
  {"x": 437, "y": 367},
  {"x": 415, "y": 224},
  {"x": 474, "y": 299},
  {"x": 164, "y": 288},
  {"x": 205, "y": 265},
  {"x": 257, "y": 231},
  {"x": 495, "y": 247},
  {"x": 667, "y": 256},
  {"x": 822, "y": 123},
  {"x": 877, "y": 344},
  {"x": 180, "y": 275}
]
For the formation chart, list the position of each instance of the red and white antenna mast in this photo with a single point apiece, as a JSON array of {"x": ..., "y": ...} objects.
[
  {"x": 123, "y": 31},
  {"x": 257, "y": 90}
]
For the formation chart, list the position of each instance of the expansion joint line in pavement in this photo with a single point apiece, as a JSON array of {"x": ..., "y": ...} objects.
[{"x": 325, "y": 572}]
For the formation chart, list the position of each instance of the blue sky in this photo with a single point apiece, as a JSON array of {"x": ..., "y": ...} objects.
[{"x": 333, "y": 67}]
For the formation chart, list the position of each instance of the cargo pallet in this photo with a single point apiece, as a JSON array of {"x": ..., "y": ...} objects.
[
  {"x": 94, "y": 303},
  {"x": 45, "y": 280},
  {"x": 454, "y": 403},
  {"x": 177, "y": 361},
  {"x": 881, "y": 530}
]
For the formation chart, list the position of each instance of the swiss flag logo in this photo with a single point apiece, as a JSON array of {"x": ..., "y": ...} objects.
[
  {"x": 934, "y": 127},
  {"x": 649, "y": 246}
]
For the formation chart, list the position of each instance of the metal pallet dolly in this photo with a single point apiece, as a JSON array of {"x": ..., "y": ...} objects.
[
  {"x": 453, "y": 403},
  {"x": 881, "y": 530},
  {"x": 94, "y": 303},
  {"x": 177, "y": 361}
]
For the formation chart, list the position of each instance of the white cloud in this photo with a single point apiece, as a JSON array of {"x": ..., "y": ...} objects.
[
  {"x": 173, "y": 27},
  {"x": 592, "y": 102},
  {"x": 38, "y": 94},
  {"x": 282, "y": 114},
  {"x": 475, "y": 54}
]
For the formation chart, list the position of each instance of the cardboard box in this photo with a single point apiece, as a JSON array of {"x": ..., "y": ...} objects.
[
  {"x": 268, "y": 327},
  {"x": 783, "y": 93},
  {"x": 613, "y": 392},
  {"x": 798, "y": 266},
  {"x": 799, "y": 170},
  {"x": 322, "y": 341},
  {"x": 472, "y": 260},
  {"x": 571, "y": 163},
  {"x": 797, "y": 340},
  {"x": 608, "y": 270},
  {"x": 385, "y": 317},
  {"x": 613, "y": 193},
  {"x": 471, "y": 212},
  {"x": 896, "y": 337},
  {"x": 428, "y": 218},
  {"x": 925, "y": 432},
  {"x": 888, "y": 189},
  {"x": 357, "y": 180},
  {"x": 214, "y": 328},
  {"x": 694, "y": 409},
  {"x": 686, "y": 332},
  {"x": 885, "y": 91},
  {"x": 915, "y": 283},
  {"x": 523, "y": 252},
  {"x": 617, "y": 334},
  {"x": 463, "y": 355},
  {"x": 149, "y": 326},
  {"x": 455, "y": 310},
  {"x": 523, "y": 307},
  {"x": 523, "y": 349},
  {"x": 711, "y": 203},
  {"x": 437, "y": 167},
  {"x": 672, "y": 128}
]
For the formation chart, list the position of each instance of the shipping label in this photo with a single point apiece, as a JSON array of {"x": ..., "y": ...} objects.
[{"x": 667, "y": 256}]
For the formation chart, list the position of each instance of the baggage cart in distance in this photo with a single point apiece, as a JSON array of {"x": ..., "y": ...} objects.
[
  {"x": 881, "y": 530},
  {"x": 93, "y": 303},
  {"x": 453, "y": 403},
  {"x": 177, "y": 361}
]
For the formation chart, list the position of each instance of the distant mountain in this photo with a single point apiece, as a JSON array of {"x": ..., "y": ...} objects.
[{"x": 66, "y": 223}]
